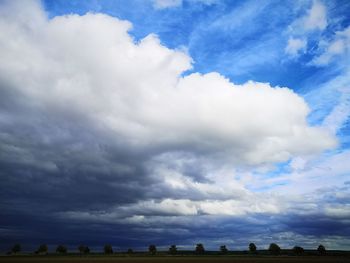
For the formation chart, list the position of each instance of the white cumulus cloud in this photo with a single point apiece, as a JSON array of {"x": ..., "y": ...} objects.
[{"x": 91, "y": 67}]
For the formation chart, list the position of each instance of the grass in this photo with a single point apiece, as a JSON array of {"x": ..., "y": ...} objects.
[
  {"x": 173, "y": 259},
  {"x": 262, "y": 256}
]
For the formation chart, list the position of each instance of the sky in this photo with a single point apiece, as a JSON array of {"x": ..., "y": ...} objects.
[{"x": 174, "y": 122}]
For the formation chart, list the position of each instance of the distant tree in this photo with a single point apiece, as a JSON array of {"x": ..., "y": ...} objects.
[
  {"x": 173, "y": 249},
  {"x": 152, "y": 249},
  {"x": 252, "y": 248},
  {"x": 84, "y": 249},
  {"x": 16, "y": 248},
  {"x": 130, "y": 251},
  {"x": 200, "y": 248},
  {"x": 108, "y": 249},
  {"x": 43, "y": 249},
  {"x": 298, "y": 250},
  {"x": 223, "y": 249},
  {"x": 321, "y": 249},
  {"x": 61, "y": 249},
  {"x": 274, "y": 249},
  {"x": 81, "y": 249}
]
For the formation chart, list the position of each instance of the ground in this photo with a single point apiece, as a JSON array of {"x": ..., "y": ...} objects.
[{"x": 182, "y": 259}]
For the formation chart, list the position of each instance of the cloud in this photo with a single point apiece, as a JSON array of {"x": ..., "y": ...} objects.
[
  {"x": 310, "y": 219},
  {"x": 98, "y": 108},
  {"x": 161, "y": 4},
  {"x": 306, "y": 28},
  {"x": 316, "y": 19},
  {"x": 308, "y": 175},
  {"x": 144, "y": 211},
  {"x": 90, "y": 62},
  {"x": 115, "y": 133},
  {"x": 338, "y": 47},
  {"x": 295, "y": 46},
  {"x": 337, "y": 118}
]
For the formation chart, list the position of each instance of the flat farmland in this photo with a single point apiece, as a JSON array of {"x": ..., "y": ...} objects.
[{"x": 184, "y": 259}]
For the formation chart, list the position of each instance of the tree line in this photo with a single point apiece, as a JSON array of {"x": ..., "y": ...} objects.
[{"x": 273, "y": 249}]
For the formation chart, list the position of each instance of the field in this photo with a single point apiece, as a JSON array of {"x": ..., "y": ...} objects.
[{"x": 179, "y": 259}]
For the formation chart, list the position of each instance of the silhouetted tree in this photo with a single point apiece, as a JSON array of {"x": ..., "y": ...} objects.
[
  {"x": 84, "y": 249},
  {"x": 321, "y": 249},
  {"x": 152, "y": 249},
  {"x": 108, "y": 249},
  {"x": 173, "y": 249},
  {"x": 298, "y": 250},
  {"x": 274, "y": 249},
  {"x": 130, "y": 251},
  {"x": 81, "y": 249},
  {"x": 16, "y": 248},
  {"x": 200, "y": 248},
  {"x": 252, "y": 248},
  {"x": 42, "y": 249},
  {"x": 61, "y": 249},
  {"x": 223, "y": 249}
]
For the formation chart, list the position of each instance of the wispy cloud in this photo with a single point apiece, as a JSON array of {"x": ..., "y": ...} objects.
[
  {"x": 338, "y": 48},
  {"x": 316, "y": 18},
  {"x": 295, "y": 45},
  {"x": 160, "y": 4}
]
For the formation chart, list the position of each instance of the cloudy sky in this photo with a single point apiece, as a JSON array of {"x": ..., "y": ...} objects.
[{"x": 175, "y": 122}]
